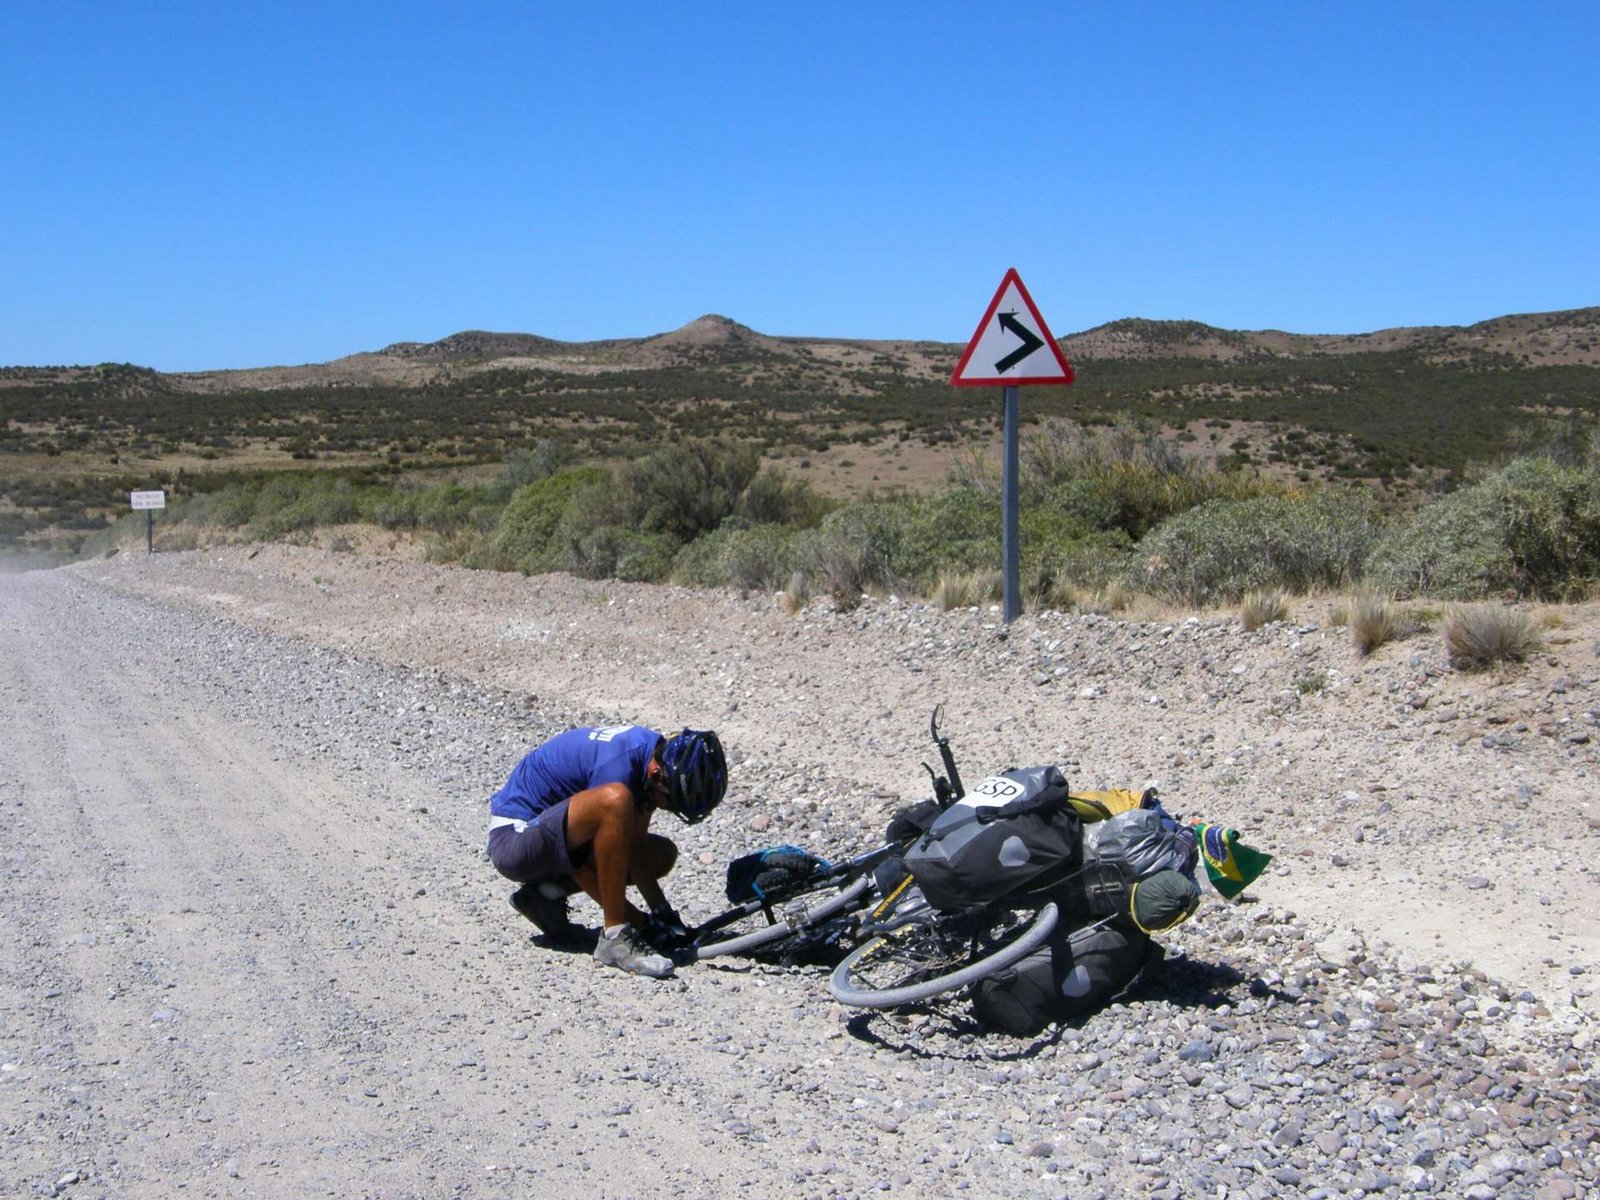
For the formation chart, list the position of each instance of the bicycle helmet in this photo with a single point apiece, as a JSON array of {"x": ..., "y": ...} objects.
[{"x": 695, "y": 774}]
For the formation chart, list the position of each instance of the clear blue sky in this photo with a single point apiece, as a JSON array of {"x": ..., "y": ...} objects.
[{"x": 193, "y": 186}]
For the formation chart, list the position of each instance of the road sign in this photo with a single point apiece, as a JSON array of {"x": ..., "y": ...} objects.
[
  {"x": 148, "y": 500},
  {"x": 1013, "y": 345}
]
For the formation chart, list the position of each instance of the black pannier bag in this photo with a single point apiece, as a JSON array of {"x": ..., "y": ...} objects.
[
  {"x": 1077, "y": 972},
  {"x": 1009, "y": 832}
]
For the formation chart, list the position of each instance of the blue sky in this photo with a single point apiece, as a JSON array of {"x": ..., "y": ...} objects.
[{"x": 196, "y": 186}]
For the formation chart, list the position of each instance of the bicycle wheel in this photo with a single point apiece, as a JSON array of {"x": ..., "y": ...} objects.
[
  {"x": 790, "y": 916},
  {"x": 933, "y": 953}
]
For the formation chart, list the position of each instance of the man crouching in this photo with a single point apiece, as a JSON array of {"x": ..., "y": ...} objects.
[{"x": 575, "y": 813}]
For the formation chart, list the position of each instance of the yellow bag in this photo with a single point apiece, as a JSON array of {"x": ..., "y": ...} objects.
[{"x": 1097, "y": 806}]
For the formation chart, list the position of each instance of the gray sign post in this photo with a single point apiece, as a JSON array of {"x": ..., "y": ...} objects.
[
  {"x": 1010, "y": 540},
  {"x": 1012, "y": 347}
]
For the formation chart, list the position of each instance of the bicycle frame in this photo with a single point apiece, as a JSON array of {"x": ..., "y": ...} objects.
[
  {"x": 787, "y": 910},
  {"x": 842, "y": 875}
]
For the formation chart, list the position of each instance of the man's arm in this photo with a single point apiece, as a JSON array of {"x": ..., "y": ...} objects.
[{"x": 639, "y": 873}]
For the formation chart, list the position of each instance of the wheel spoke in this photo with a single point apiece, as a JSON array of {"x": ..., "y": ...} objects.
[{"x": 934, "y": 953}]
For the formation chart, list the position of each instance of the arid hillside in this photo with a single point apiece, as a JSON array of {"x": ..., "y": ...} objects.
[{"x": 1558, "y": 338}]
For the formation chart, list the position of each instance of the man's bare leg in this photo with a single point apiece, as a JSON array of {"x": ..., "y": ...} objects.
[
  {"x": 606, "y": 820},
  {"x": 654, "y": 857}
]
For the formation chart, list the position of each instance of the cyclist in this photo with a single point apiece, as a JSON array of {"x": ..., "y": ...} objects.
[{"x": 575, "y": 813}]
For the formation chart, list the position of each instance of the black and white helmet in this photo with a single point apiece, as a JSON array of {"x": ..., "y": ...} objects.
[{"x": 695, "y": 773}]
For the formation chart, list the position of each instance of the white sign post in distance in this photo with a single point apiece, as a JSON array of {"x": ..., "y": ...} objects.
[
  {"x": 148, "y": 502},
  {"x": 1011, "y": 348}
]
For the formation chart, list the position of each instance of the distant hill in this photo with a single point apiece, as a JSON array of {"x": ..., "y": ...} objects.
[
  {"x": 1554, "y": 338},
  {"x": 1405, "y": 410},
  {"x": 1546, "y": 339}
]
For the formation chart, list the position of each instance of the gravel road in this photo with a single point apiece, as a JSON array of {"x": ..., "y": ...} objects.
[{"x": 253, "y": 947}]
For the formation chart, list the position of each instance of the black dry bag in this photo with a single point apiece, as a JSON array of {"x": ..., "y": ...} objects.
[
  {"x": 1011, "y": 832},
  {"x": 1075, "y": 973}
]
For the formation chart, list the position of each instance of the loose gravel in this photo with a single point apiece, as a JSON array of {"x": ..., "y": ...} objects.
[{"x": 1291, "y": 1046}]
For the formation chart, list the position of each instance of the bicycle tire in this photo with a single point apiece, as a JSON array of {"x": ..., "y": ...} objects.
[
  {"x": 851, "y": 983},
  {"x": 793, "y": 916}
]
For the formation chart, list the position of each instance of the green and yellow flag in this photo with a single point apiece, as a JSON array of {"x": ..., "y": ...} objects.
[{"x": 1230, "y": 864}]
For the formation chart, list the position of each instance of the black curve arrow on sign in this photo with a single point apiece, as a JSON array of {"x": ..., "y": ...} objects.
[{"x": 1030, "y": 342}]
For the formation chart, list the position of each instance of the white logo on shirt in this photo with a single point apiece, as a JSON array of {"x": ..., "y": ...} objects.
[{"x": 607, "y": 732}]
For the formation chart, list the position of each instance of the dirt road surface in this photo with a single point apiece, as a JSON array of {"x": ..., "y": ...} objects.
[{"x": 252, "y": 948}]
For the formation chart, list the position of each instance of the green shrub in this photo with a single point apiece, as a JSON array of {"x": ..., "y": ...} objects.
[
  {"x": 393, "y": 509},
  {"x": 1126, "y": 476},
  {"x": 594, "y": 505},
  {"x": 1090, "y": 563},
  {"x": 757, "y": 556},
  {"x": 686, "y": 490},
  {"x": 232, "y": 507},
  {"x": 333, "y": 503},
  {"x": 525, "y": 538},
  {"x": 1532, "y": 529},
  {"x": 276, "y": 495},
  {"x": 855, "y": 549},
  {"x": 283, "y": 505},
  {"x": 915, "y": 542},
  {"x": 674, "y": 495},
  {"x": 286, "y": 503},
  {"x": 774, "y": 497},
  {"x": 956, "y": 530},
  {"x": 523, "y": 467},
  {"x": 1082, "y": 503},
  {"x": 1222, "y": 549},
  {"x": 619, "y": 552},
  {"x": 447, "y": 507},
  {"x": 1311, "y": 683}
]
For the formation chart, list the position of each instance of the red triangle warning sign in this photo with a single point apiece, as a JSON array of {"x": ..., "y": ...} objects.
[{"x": 1013, "y": 345}]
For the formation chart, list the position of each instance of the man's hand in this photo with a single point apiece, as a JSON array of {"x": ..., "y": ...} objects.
[{"x": 666, "y": 931}]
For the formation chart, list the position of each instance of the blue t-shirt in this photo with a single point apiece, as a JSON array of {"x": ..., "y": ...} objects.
[{"x": 571, "y": 762}]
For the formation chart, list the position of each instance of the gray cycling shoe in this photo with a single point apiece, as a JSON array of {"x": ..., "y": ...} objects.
[{"x": 627, "y": 952}]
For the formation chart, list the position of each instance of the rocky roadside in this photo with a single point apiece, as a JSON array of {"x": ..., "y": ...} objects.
[{"x": 1279, "y": 1054}]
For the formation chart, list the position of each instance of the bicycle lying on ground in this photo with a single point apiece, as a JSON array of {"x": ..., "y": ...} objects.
[
  {"x": 915, "y": 952},
  {"x": 915, "y": 941},
  {"x": 825, "y": 902},
  {"x": 1041, "y": 902}
]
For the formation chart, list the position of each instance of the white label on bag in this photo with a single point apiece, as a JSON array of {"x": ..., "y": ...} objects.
[{"x": 994, "y": 792}]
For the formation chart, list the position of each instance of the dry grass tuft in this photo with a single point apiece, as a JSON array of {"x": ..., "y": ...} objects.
[
  {"x": 1374, "y": 619},
  {"x": 1480, "y": 636},
  {"x": 797, "y": 595},
  {"x": 1113, "y": 598},
  {"x": 845, "y": 598},
  {"x": 1262, "y": 608},
  {"x": 969, "y": 591},
  {"x": 1058, "y": 596}
]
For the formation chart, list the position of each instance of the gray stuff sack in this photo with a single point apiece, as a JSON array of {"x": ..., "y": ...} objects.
[{"x": 1143, "y": 841}]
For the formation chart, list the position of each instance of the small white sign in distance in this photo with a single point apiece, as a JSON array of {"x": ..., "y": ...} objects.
[{"x": 148, "y": 500}]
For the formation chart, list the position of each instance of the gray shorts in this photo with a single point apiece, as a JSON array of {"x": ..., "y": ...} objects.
[{"x": 537, "y": 852}]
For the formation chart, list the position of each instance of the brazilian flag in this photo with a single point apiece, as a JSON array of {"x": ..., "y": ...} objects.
[{"x": 1230, "y": 864}]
